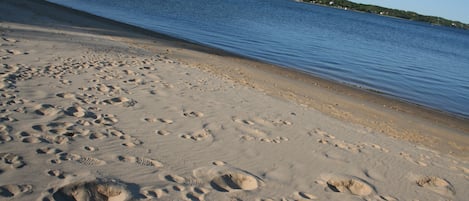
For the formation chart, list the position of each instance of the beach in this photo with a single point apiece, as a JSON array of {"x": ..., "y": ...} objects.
[{"x": 92, "y": 109}]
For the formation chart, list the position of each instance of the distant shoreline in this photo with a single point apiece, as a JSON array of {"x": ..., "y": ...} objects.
[{"x": 388, "y": 12}]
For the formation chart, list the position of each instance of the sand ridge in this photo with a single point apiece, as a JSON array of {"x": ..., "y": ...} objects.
[{"x": 104, "y": 116}]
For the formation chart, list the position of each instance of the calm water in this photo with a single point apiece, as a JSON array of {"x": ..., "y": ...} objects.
[{"x": 416, "y": 62}]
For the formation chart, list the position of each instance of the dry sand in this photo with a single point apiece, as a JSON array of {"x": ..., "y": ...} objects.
[{"x": 94, "y": 110}]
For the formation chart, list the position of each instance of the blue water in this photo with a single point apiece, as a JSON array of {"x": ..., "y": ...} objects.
[{"x": 415, "y": 62}]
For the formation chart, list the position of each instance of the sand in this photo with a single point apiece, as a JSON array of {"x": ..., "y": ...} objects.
[{"x": 91, "y": 109}]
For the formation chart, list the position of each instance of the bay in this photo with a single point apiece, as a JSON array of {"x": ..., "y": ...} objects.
[{"x": 412, "y": 61}]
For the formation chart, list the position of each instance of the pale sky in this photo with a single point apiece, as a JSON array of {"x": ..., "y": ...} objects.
[{"x": 450, "y": 9}]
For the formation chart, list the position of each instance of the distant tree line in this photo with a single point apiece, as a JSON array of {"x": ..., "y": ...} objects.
[{"x": 344, "y": 4}]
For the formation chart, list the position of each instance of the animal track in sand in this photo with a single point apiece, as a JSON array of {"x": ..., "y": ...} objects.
[
  {"x": 10, "y": 191},
  {"x": 141, "y": 161},
  {"x": 100, "y": 189},
  {"x": 12, "y": 161},
  {"x": 436, "y": 184}
]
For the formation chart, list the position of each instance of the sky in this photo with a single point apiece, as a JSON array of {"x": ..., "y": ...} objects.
[{"x": 450, "y": 9}]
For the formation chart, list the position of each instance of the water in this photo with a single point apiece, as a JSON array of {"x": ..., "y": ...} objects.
[{"x": 415, "y": 62}]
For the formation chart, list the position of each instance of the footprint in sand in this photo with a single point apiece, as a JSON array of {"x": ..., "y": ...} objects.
[
  {"x": 162, "y": 132},
  {"x": 65, "y": 82},
  {"x": 78, "y": 111},
  {"x": 228, "y": 179},
  {"x": 66, "y": 95},
  {"x": 199, "y": 135},
  {"x": 437, "y": 185},
  {"x": 12, "y": 161},
  {"x": 5, "y": 133},
  {"x": 155, "y": 193},
  {"x": 100, "y": 189},
  {"x": 56, "y": 173},
  {"x": 84, "y": 160},
  {"x": 14, "y": 52},
  {"x": 108, "y": 89},
  {"x": 347, "y": 184},
  {"x": 175, "y": 178},
  {"x": 327, "y": 139},
  {"x": 115, "y": 132},
  {"x": 122, "y": 101},
  {"x": 97, "y": 135},
  {"x": 90, "y": 148},
  {"x": 130, "y": 141},
  {"x": 165, "y": 121},
  {"x": 192, "y": 114},
  {"x": 409, "y": 158},
  {"x": 304, "y": 196},
  {"x": 46, "y": 110},
  {"x": 90, "y": 161},
  {"x": 10, "y": 40},
  {"x": 106, "y": 120},
  {"x": 11, "y": 191},
  {"x": 258, "y": 129},
  {"x": 48, "y": 150},
  {"x": 242, "y": 121},
  {"x": 140, "y": 161},
  {"x": 150, "y": 119}
]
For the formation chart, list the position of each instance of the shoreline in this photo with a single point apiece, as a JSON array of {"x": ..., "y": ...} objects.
[
  {"x": 393, "y": 113},
  {"x": 213, "y": 50},
  {"x": 91, "y": 110},
  {"x": 221, "y": 52}
]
